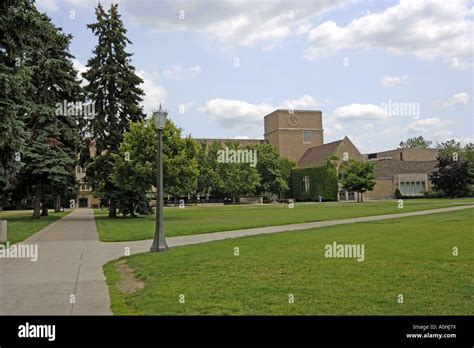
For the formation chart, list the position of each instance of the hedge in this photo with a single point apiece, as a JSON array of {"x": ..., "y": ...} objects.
[{"x": 322, "y": 181}]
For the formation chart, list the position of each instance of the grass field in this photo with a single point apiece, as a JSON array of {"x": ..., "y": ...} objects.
[
  {"x": 410, "y": 256},
  {"x": 21, "y": 226},
  {"x": 201, "y": 219}
]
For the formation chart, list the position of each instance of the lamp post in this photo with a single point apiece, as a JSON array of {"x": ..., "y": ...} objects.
[{"x": 159, "y": 242}]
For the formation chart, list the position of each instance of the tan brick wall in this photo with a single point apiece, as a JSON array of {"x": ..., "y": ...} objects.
[
  {"x": 384, "y": 188},
  {"x": 352, "y": 151},
  {"x": 288, "y": 137}
]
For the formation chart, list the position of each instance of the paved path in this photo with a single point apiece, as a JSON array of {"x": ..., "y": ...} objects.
[{"x": 71, "y": 258}]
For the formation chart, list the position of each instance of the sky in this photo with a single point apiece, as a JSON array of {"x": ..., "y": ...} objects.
[{"x": 380, "y": 71}]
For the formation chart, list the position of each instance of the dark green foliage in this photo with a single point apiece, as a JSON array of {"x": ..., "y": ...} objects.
[
  {"x": 415, "y": 143},
  {"x": 398, "y": 194},
  {"x": 453, "y": 177},
  {"x": 358, "y": 176},
  {"x": 273, "y": 170},
  {"x": 322, "y": 182},
  {"x": 114, "y": 87},
  {"x": 112, "y": 81},
  {"x": 37, "y": 73}
]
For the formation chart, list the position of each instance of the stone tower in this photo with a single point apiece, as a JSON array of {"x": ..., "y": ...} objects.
[{"x": 292, "y": 132}]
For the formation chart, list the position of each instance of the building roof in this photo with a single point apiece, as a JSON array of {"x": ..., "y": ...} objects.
[
  {"x": 294, "y": 110},
  {"x": 317, "y": 155},
  {"x": 240, "y": 141},
  {"x": 389, "y": 168},
  {"x": 408, "y": 154}
]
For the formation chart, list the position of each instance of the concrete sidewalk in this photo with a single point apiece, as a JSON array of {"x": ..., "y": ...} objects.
[
  {"x": 69, "y": 263},
  {"x": 71, "y": 259}
]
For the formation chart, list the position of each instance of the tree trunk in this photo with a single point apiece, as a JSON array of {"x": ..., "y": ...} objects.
[
  {"x": 112, "y": 209},
  {"x": 37, "y": 204},
  {"x": 57, "y": 204},
  {"x": 44, "y": 208},
  {"x": 132, "y": 211},
  {"x": 361, "y": 198}
]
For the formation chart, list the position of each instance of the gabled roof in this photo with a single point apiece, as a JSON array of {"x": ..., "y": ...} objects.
[
  {"x": 317, "y": 155},
  {"x": 389, "y": 168}
]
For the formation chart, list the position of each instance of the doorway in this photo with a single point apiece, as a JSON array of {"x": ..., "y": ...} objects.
[{"x": 83, "y": 202}]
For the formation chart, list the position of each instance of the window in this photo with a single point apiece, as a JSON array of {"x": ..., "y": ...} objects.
[
  {"x": 412, "y": 187},
  {"x": 402, "y": 188},
  {"x": 83, "y": 186},
  {"x": 306, "y": 183},
  {"x": 307, "y": 137}
]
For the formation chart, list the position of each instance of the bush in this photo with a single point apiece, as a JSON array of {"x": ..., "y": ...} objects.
[
  {"x": 398, "y": 194},
  {"x": 434, "y": 194}
]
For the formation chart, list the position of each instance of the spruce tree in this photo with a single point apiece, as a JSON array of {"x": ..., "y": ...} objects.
[
  {"x": 16, "y": 41},
  {"x": 50, "y": 152},
  {"x": 114, "y": 87}
]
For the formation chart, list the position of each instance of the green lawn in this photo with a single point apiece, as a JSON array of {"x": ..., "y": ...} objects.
[
  {"x": 194, "y": 220},
  {"x": 21, "y": 226},
  {"x": 410, "y": 256}
]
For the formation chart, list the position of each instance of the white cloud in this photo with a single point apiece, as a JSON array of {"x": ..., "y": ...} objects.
[
  {"x": 428, "y": 29},
  {"x": 303, "y": 102},
  {"x": 236, "y": 113},
  {"x": 331, "y": 128},
  {"x": 427, "y": 124},
  {"x": 177, "y": 72},
  {"x": 390, "y": 81},
  {"x": 230, "y": 22},
  {"x": 81, "y": 68},
  {"x": 303, "y": 28},
  {"x": 465, "y": 140},
  {"x": 47, "y": 5},
  {"x": 240, "y": 114},
  {"x": 459, "y": 98},
  {"x": 445, "y": 134},
  {"x": 360, "y": 112},
  {"x": 154, "y": 93}
]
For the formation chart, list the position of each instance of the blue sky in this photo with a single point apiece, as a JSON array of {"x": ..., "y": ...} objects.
[{"x": 379, "y": 71}]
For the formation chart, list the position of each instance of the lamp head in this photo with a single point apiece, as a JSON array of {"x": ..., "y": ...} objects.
[{"x": 159, "y": 117}]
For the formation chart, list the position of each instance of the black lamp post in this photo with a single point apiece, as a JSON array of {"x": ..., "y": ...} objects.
[{"x": 159, "y": 242}]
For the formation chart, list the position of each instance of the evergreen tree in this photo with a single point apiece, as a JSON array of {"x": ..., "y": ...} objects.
[
  {"x": 50, "y": 156},
  {"x": 44, "y": 76},
  {"x": 114, "y": 87},
  {"x": 16, "y": 42}
]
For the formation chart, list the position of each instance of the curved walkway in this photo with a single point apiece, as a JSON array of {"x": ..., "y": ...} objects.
[{"x": 67, "y": 278}]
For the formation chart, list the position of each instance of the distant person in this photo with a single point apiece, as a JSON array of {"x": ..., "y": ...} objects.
[{"x": 320, "y": 198}]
